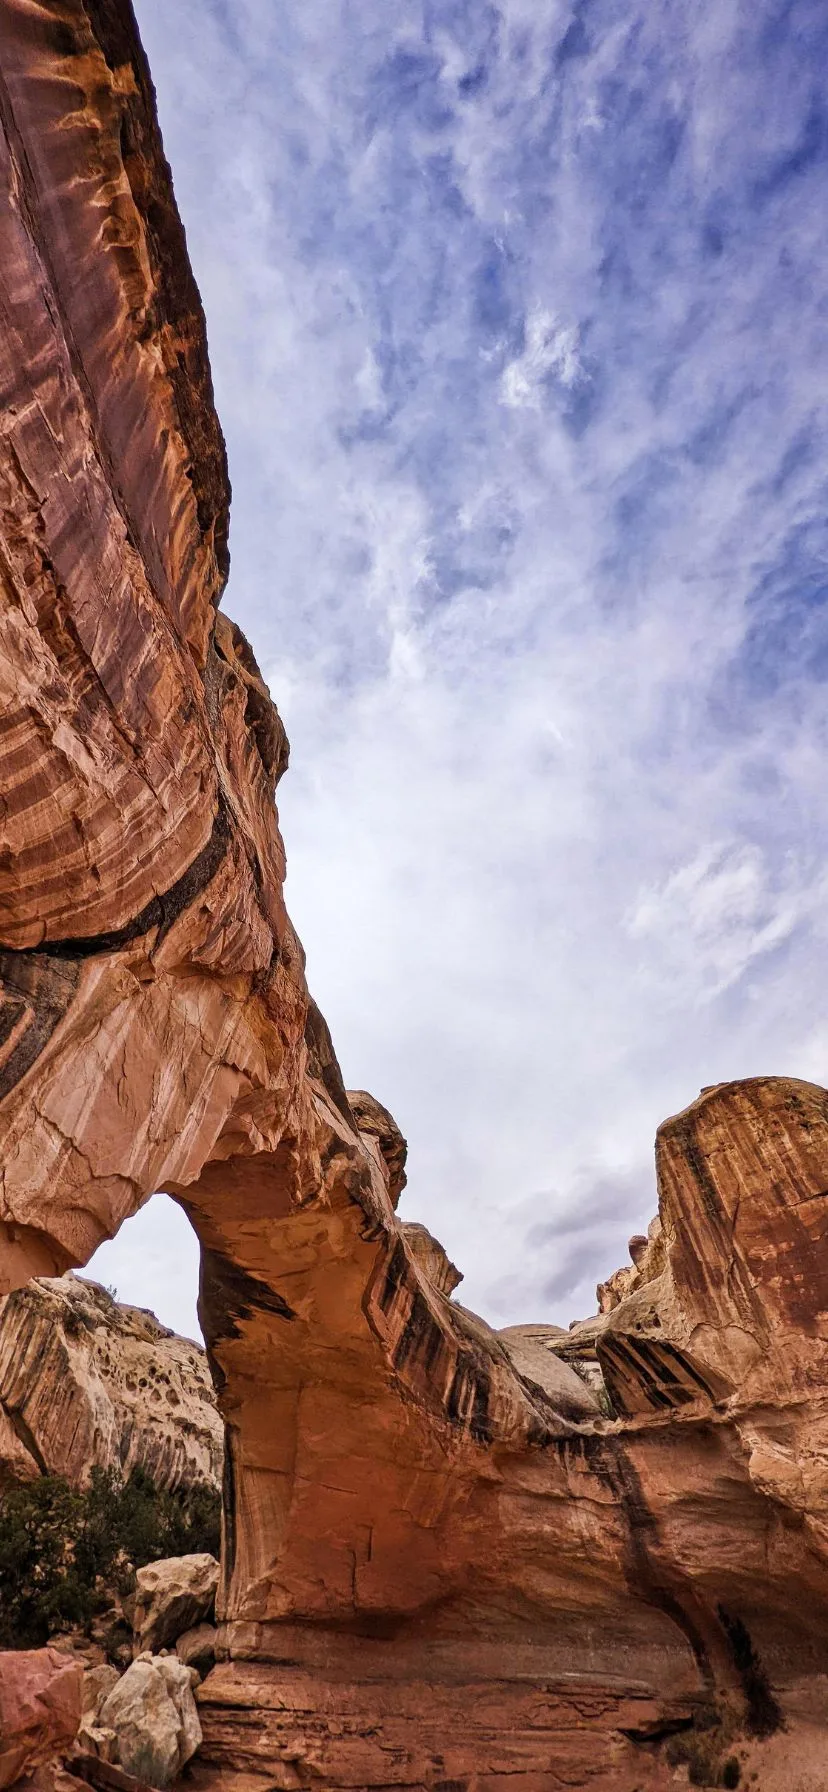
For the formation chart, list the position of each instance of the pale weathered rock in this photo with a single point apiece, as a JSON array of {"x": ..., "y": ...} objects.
[
  {"x": 442, "y": 1567},
  {"x": 197, "y": 1647},
  {"x": 93, "y": 1739},
  {"x": 153, "y": 1715},
  {"x": 40, "y": 1709},
  {"x": 97, "y": 1682},
  {"x": 86, "y": 1381},
  {"x": 172, "y": 1596},
  {"x": 529, "y": 1349},
  {"x": 17, "y": 1462}
]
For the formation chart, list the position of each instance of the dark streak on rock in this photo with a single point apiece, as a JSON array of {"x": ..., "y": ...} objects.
[
  {"x": 764, "y": 1717},
  {"x": 684, "y": 1131},
  {"x": 160, "y": 912},
  {"x": 422, "y": 1338},
  {"x": 467, "y": 1402},
  {"x": 26, "y": 1437},
  {"x": 228, "y": 1500},
  {"x": 394, "y": 1277},
  {"x": 178, "y": 304},
  {"x": 658, "y": 1370},
  {"x": 647, "y": 1577},
  {"x": 228, "y": 1295},
  {"x": 30, "y": 984}
]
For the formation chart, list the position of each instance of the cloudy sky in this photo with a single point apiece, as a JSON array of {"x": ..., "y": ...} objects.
[{"x": 519, "y": 329}]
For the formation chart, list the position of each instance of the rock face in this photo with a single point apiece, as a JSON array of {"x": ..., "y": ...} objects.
[
  {"x": 40, "y": 1709},
  {"x": 85, "y": 1381},
  {"x": 443, "y": 1566}
]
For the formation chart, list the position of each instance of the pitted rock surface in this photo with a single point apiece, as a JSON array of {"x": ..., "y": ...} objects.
[
  {"x": 172, "y": 1596},
  {"x": 86, "y": 1382}
]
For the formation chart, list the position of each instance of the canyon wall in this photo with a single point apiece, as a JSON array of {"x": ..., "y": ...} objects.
[
  {"x": 452, "y": 1557},
  {"x": 86, "y": 1382}
]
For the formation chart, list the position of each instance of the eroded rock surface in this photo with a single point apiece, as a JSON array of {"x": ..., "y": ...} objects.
[
  {"x": 86, "y": 1381},
  {"x": 40, "y": 1709},
  {"x": 152, "y": 1716},
  {"x": 442, "y": 1566},
  {"x": 197, "y": 1647},
  {"x": 171, "y": 1597}
]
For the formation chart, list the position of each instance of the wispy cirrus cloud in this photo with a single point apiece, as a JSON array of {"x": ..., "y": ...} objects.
[{"x": 517, "y": 323}]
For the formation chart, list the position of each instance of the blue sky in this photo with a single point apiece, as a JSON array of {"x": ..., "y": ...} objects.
[{"x": 519, "y": 331}]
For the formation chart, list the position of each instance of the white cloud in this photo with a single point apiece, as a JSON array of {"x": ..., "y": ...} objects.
[
  {"x": 551, "y": 350},
  {"x": 713, "y": 916}
]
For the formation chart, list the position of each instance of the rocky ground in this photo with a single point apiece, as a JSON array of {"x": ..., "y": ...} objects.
[
  {"x": 67, "y": 1708},
  {"x": 89, "y": 1385}
]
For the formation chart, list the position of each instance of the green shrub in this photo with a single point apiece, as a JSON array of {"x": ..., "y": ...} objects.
[
  {"x": 731, "y": 1772},
  {"x": 65, "y": 1551}
]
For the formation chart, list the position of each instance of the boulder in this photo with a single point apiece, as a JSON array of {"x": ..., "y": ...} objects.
[
  {"x": 379, "y": 1128},
  {"x": 153, "y": 1716},
  {"x": 93, "y": 1740},
  {"x": 197, "y": 1648},
  {"x": 97, "y": 1682},
  {"x": 431, "y": 1259},
  {"x": 40, "y": 1709},
  {"x": 172, "y": 1596},
  {"x": 531, "y": 1349}
]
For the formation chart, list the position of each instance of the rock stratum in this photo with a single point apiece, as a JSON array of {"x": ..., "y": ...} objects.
[{"x": 445, "y": 1565}]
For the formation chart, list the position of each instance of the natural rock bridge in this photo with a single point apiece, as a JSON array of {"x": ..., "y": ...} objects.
[{"x": 444, "y": 1564}]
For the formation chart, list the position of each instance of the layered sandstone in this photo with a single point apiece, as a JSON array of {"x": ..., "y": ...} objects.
[
  {"x": 446, "y": 1564},
  {"x": 87, "y": 1382}
]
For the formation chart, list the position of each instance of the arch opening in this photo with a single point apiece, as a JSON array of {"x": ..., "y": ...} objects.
[{"x": 153, "y": 1262}]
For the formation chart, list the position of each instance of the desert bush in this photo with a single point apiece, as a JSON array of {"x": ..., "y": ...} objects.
[
  {"x": 64, "y": 1551},
  {"x": 701, "y": 1749},
  {"x": 699, "y": 1754}
]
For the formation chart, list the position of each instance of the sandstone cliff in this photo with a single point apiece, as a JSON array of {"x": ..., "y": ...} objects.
[
  {"x": 443, "y": 1566},
  {"x": 86, "y": 1381}
]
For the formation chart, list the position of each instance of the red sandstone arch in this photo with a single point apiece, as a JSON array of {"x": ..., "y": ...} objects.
[{"x": 461, "y": 1558}]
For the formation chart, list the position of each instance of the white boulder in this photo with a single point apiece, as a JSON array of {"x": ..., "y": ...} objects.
[
  {"x": 153, "y": 1715},
  {"x": 172, "y": 1596}
]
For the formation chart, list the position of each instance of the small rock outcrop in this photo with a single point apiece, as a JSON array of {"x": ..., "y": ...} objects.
[
  {"x": 86, "y": 1381},
  {"x": 172, "y": 1597},
  {"x": 41, "y": 1695}
]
